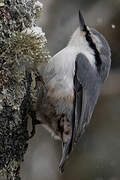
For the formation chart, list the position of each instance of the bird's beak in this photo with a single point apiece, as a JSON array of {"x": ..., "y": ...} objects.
[{"x": 82, "y": 22}]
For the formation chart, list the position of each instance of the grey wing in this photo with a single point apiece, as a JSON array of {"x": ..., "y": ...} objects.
[
  {"x": 87, "y": 86},
  {"x": 86, "y": 91}
]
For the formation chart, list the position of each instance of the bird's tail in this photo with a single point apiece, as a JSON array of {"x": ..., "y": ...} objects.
[{"x": 66, "y": 150}]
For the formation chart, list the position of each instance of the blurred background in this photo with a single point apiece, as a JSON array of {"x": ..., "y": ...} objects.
[{"x": 97, "y": 157}]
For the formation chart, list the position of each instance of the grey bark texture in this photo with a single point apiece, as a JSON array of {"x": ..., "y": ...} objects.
[{"x": 20, "y": 55}]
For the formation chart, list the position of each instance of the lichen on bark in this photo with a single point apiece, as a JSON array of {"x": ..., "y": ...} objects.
[{"x": 22, "y": 50}]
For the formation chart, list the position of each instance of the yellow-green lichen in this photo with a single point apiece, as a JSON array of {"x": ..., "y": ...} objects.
[
  {"x": 25, "y": 51},
  {"x": 23, "y": 44},
  {"x": 1, "y": 3},
  {"x": 37, "y": 9}
]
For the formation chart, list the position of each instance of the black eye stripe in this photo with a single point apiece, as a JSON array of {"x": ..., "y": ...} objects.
[{"x": 93, "y": 46}]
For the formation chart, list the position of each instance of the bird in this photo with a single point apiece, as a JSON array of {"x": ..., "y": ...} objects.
[{"x": 70, "y": 85}]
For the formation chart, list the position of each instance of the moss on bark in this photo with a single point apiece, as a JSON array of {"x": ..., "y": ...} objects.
[{"x": 20, "y": 55}]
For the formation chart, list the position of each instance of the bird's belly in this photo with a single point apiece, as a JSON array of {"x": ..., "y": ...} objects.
[
  {"x": 61, "y": 90},
  {"x": 55, "y": 115},
  {"x": 55, "y": 109}
]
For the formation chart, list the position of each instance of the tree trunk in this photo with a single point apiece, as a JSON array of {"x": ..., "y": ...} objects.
[{"x": 22, "y": 50}]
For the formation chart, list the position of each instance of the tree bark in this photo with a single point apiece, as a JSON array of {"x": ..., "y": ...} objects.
[{"x": 22, "y": 49}]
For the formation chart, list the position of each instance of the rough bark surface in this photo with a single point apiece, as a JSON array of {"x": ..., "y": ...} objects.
[{"x": 18, "y": 84}]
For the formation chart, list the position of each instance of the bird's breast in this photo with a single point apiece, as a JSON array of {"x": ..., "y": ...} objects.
[{"x": 61, "y": 90}]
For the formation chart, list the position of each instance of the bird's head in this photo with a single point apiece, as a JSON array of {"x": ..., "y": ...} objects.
[
  {"x": 98, "y": 44},
  {"x": 89, "y": 34},
  {"x": 90, "y": 41},
  {"x": 79, "y": 37}
]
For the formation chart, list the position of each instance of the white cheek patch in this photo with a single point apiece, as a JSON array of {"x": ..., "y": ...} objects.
[{"x": 91, "y": 59}]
